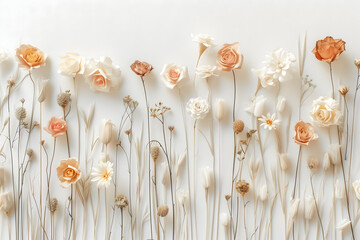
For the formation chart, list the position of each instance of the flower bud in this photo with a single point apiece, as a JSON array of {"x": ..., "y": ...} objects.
[
  {"x": 225, "y": 219},
  {"x": 219, "y": 108},
  {"x": 182, "y": 197},
  {"x": 163, "y": 210},
  {"x": 63, "y": 99},
  {"x": 284, "y": 161},
  {"x": 326, "y": 161},
  {"x": 263, "y": 192},
  {"x": 106, "y": 131},
  {"x": 281, "y": 103},
  {"x": 294, "y": 207},
  {"x": 207, "y": 177},
  {"x": 238, "y": 126}
]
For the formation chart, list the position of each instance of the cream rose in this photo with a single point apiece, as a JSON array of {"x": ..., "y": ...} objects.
[
  {"x": 68, "y": 172},
  {"x": 71, "y": 64},
  {"x": 326, "y": 112},
  {"x": 102, "y": 75},
  {"x": 172, "y": 74},
  {"x": 197, "y": 107},
  {"x": 304, "y": 133}
]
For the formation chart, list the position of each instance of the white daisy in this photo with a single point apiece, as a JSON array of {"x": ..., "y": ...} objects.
[
  {"x": 103, "y": 173},
  {"x": 269, "y": 121}
]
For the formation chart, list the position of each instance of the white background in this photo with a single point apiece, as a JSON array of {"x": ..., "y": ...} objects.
[{"x": 159, "y": 32}]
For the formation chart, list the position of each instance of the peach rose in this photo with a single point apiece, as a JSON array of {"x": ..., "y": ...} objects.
[
  {"x": 141, "y": 68},
  {"x": 304, "y": 133},
  {"x": 68, "y": 172},
  {"x": 30, "y": 56},
  {"x": 329, "y": 49},
  {"x": 56, "y": 126},
  {"x": 172, "y": 74},
  {"x": 229, "y": 57}
]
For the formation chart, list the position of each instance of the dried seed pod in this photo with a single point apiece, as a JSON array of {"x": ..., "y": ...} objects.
[
  {"x": 154, "y": 152},
  {"x": 63, "y": 99},
  {"x": 53, "y": 203},
  {"x": 20, "y": 113},
  {"x": 163, "y": 210},
  {"x": 242, "y": 187},
  {"x": 121, "y": 201},
  {"x": 238, "y": 126}
]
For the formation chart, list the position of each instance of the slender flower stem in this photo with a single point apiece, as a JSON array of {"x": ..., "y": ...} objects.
[
  {"x": 332, "y": 81},
  {"x": 316, "y": 206},
  {"x": 122, "y": 223},
  {"x": 194, "y": 177},
  {"x": 149, "y": 159},
  {"x": 353, "y": 127},
  {"x": 234, "y": 156},
  {"x": 296, "y": 172},
  {"x": 187, "y": 164},
  {"x": 219, "y": 177}
]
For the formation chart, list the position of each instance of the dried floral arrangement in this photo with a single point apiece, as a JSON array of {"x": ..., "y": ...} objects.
[{"x": 161, "y": 200}]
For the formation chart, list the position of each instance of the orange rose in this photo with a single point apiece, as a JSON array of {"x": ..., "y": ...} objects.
[
  {"x": 68, "y": 172},
  {"x": 30, "y": 57},
  {"x": 141, "y": 68},
  {"x": 229, "y": 57},
  {"x": 329, "y": 49},
  {"x": 304, "y": 133},
  {"x": 56, "y": 126}
]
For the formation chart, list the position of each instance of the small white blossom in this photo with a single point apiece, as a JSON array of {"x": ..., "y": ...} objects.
[
  {"x": 269, "y": 121},
  {"x": 197, "y": 107},
  {"x": 204, "y": 39},
  {"x": 206, "y": 71},
  {"x": 103, "y": 173}
]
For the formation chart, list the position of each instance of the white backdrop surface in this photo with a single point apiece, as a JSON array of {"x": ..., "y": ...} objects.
[{"x": 159, "y": 32}]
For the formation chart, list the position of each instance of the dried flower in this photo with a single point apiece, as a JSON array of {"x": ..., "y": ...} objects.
[
  {"x": 68, "y": 172},
  {"x": 225, "y": 219},
  {"x": 219, "y": 109},
  {"x": 207, "y": 177},
  {"x": 229, "y": 57},
  {"x": 357, "y": 63},
  {"x": 277, "y": 65},
  {"x": 269, "y": 121},
  {"x": 304, "y": 133},
  {"x": 329, "y": 49},
  {"x": 103, "y": 174},
  {"x": 63, "y": 98},
  {"x": 30, "y": 57},
  {"x": 197, "y": 107},
  {"x": 227, "y": 197},
  {"x": 56, "y": 126},
  {"x": 206, "y": 71},
  {"x": 173, "y": 74},
  {"x": 284, "y": 161},
  {"x": 102, "y": 75},
  {"x": 53, "y": 203},
  {"x": 343, "y": 90},
  {"x": 30, "y": 153},
  {"x": 242, "y": 187},
  {"x": 326, "y": 161},
  {"x": 71, "y": 64},
  {"x": 335, "y": 153},
  {"x": 171, "y": 128},
  {"x": 294, "y": 207},
  {"x": 141, "y": 68},
  {"x": 6, "y": 202},
  {"x": 121, "y": 201},
  {"x": 238, "y": 126},
  {"x": 263, "y": 192},
  {"x": 313, "y": 163},
  {"x": 343, "y": 225},
  {"x": 20, "y": 113},
  {"x": 163, "y": 210},
  {"x": 356, "y": 187},
  {"x": 281, "y": 103},
  {"x": 339, "y": 189},
  {"x": 256, "y": 106},
  {"x": 158, "y": 110},
  {"x": 182, "y": 197},
  {"x": 154, "y": 152},
  {"x": 106, "y": 131},
  {"x": 309, "y": 207},
  {"x": 326, "y": 112}
]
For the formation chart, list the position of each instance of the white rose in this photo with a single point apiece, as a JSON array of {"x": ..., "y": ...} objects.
[
  {"x": 71, "y": 64},
  {"x": 172, "y": 74},
  {"x": 206, "y": 71},
  {"x": 265, "y": 79},
  {"x": 3, "y": 55},
  {"x": 102, "y": 75},
  {"x": 197, "y": 107},
  {"x": 204, "y": 39},
  {"x": 356, "y": 186},
  {"x": 326, "y": 112}
]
